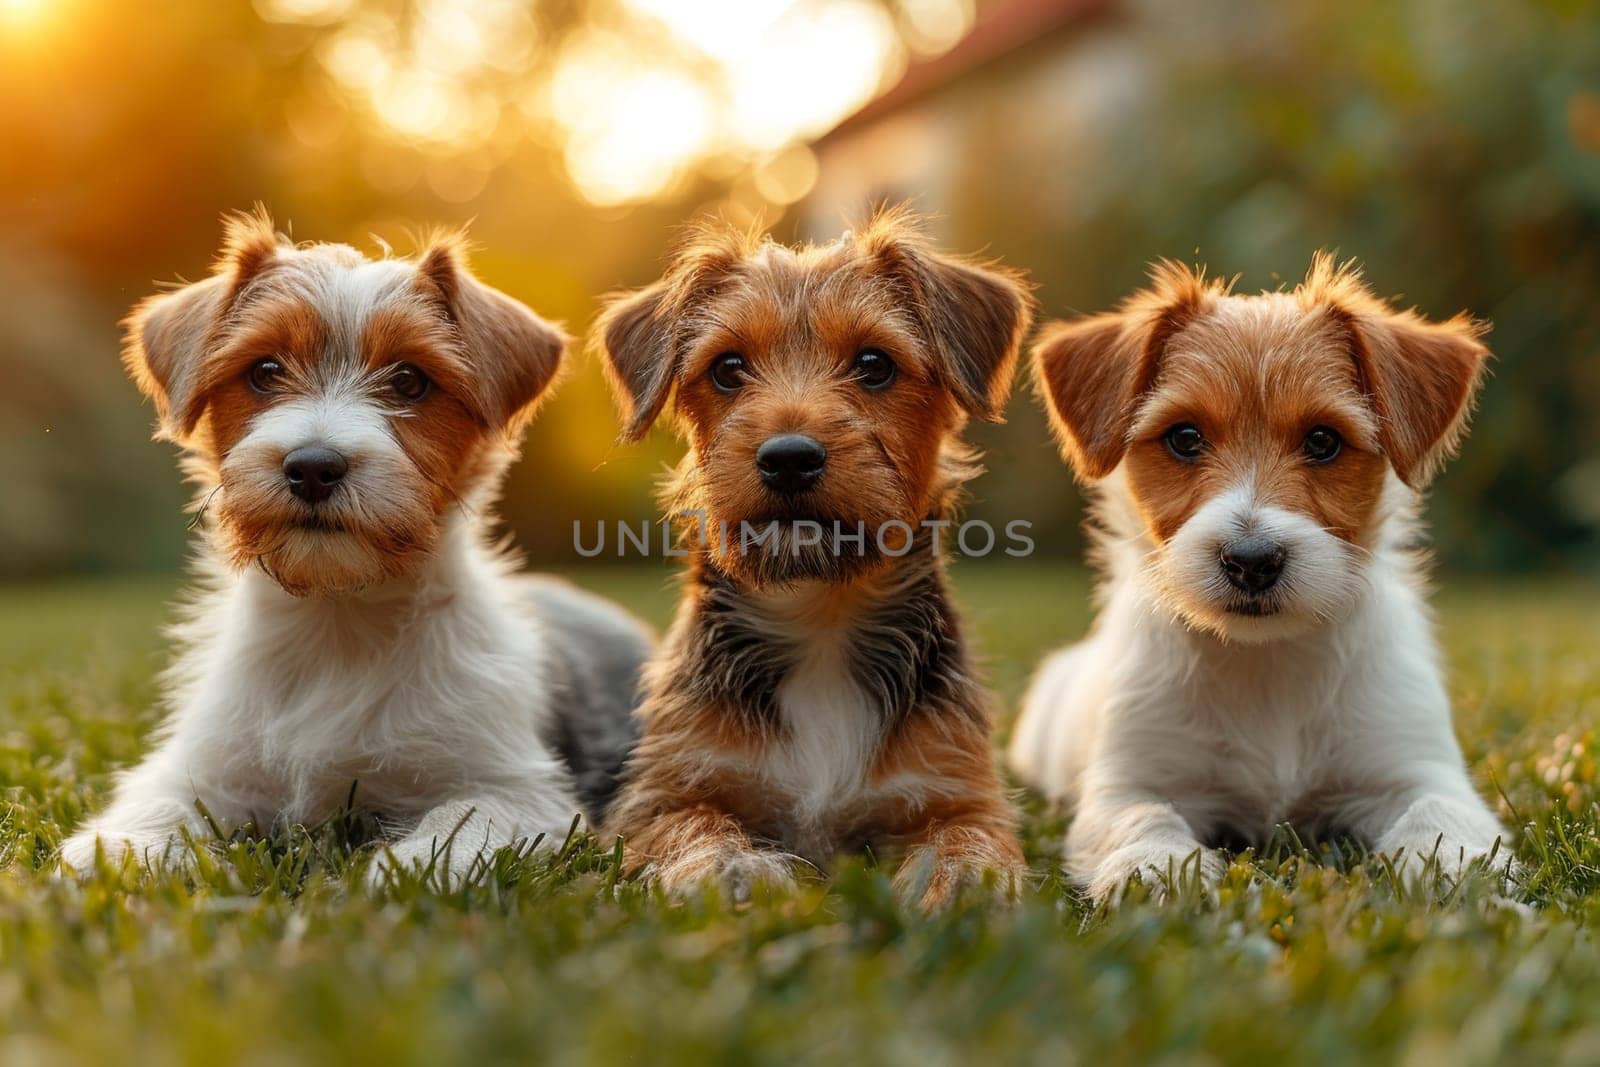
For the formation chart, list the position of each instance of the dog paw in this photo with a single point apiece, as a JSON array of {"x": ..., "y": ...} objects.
[
  {"x": 1161, "y": 872},
  {"x": 932, "y": 879},
  {"x": 76, "y": 859},
  {"x": 1450, "y": 858},
  {"x": 78, "y": 855},
  {"x": 739, "y": 874},
  {"x": 735, "y": 873},
  {"x": 422, "y": 858}
]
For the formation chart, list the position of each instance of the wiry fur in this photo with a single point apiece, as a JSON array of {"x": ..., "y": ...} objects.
[
  {"x": 1182, "y": 722},
  {"x": 375, "y": 641},
  {"x": 818, "y": 699}
]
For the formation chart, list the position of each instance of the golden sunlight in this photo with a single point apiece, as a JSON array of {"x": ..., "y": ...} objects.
[
  {"x": 636, "y": 97},
  {"x": 24, "y": 14}
]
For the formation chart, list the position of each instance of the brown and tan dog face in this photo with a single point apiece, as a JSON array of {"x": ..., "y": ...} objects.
[
  {"x": 816, "y": 386},
  {"x": 1255, "y": 435},
  {"x": 336, "y": 408}
]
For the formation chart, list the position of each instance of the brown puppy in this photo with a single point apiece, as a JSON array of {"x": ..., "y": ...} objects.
[{"x": 815, "y": 694}]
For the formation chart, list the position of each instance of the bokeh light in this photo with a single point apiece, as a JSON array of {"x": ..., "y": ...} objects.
[
  {"x": 18, "y": 15},
  {"x": 641, "y": 97}
]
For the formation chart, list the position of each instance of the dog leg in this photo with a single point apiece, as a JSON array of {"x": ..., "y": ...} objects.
[
  {"x": 1454, "y": 825},
  {"x": 949, "y": 855},
  {"x": 685, "y": 849},
  {"x": 1116, "y": 837},
  {"x": 453, "y": 842},
  {"x": 153, "y": 806}
]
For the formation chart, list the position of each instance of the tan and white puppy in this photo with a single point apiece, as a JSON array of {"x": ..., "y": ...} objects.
[
  {"x": 348, "y": 422},
  {"x": 815, "y": 696},
  {"x": 1263, "y": 652}
]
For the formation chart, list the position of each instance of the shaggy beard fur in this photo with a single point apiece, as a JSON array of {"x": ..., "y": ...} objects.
[
  {"x": 326, "y": 552},
  {"x": 850, "y": 547}
]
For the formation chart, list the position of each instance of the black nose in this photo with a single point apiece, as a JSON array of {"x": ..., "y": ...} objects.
[
  {"x": 1253, "y": 563},
  {"x": 314, "y": 473},
  {"x": 790, "y": 462}
]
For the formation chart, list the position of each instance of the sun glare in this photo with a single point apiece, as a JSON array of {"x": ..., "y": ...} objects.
[
  {"x": 720, "y": 30},
  {"x": 24, "y": 14},
  {"x": 646, "y": 94}
]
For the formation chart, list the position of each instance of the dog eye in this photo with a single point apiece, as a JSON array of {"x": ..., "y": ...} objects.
[
  {"x": 727, "y": 372},
  {"x": 1321, "y": 444},
  {"x": 1185, "y": 441},
  {"x": 264, "y": 375},
  {"x": 874, "y": 369},
  {"x": 409, "y": 382}
]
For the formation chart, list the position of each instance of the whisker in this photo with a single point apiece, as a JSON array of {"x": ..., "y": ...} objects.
[
  {"x": 462, "y": 504},
  {"x": 200, "y": 512}
]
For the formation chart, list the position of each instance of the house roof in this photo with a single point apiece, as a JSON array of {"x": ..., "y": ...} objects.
[{"x": 1000, "y": 28}]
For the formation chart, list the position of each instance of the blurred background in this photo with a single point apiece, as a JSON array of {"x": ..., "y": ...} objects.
[{"x": 1453, "y": 147}]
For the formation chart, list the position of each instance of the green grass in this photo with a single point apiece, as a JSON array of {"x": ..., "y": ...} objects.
[{"x": 270, "y": 955}]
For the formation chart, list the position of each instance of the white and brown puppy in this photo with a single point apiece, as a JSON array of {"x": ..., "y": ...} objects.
[
  {"x": 348, "y": 421},
  {"x": 1263, "y": 653}
]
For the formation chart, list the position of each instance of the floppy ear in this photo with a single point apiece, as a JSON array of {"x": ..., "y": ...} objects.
[
  {"x": 641, "y": 335},
  {"x": 974, "y": 314},
  {"x": 1092, "y": 371},
  {"x": 167, "y": 336},
  {"x": 513, "y": 353},
  {"x": 1420, "y": 376},
  {"x": 635, "y": 336}
]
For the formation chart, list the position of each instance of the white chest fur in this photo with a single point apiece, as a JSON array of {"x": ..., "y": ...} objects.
[
  {"x": 411, "y": 690},
  {"x": 830, "y": 734},
  {"x": 820, "y": 760}
]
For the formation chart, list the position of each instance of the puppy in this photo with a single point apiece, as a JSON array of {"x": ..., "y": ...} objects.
[
  {"x": 814, "y": 694},
  {"x": 1263, "y": 652},
  {"x": 348, "y": 422}
]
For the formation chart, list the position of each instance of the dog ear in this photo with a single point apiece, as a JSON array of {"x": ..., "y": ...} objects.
[
  {"x": 1421, "y": 377},
  {"x": 641, "y": 335},
  {"x": 636, "y": 337},
  {"x": 167, "y": 336},
  {"x": 1092, "y": 371},
  {"x": 514, "y": 354},
  {"x": 974, "y": 314}
]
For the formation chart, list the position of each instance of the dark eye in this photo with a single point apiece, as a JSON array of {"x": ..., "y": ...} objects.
[
  {"x": 1322, "y": 444},
  {"x": 727, "y": 372},
  {"x": 408, "y": 382},
  {"x": 264, "y": 375},
  {"x": 873, "y": 369},
  {"x": 1185, "y": 441}
]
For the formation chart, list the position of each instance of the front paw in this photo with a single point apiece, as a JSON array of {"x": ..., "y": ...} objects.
[
  {"x": 1446, "y": 835},
  {"x": 1451, "y": 857},
  {"x": 739, "y": 874},
  {"x": 442, "y": 867},
  {"x": 932, "y": 877},
  {"x": 1162, "y": 871},
  {"x": 735, "y": 872},
  {"x": 79, "y": 854}
]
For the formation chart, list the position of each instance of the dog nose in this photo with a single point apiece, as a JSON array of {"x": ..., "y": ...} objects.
[
  {"x": 790, "y": 462},
  {"x": 314, "y": 473},
  {"x": 1253, "y": 563}
]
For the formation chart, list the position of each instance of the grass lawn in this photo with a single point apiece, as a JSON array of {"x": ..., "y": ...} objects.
[{"x": 272, "y": 956}]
